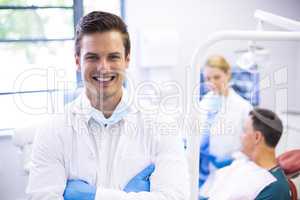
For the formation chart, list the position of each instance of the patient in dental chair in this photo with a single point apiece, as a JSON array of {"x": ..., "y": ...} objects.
[{"x": 255, "y": 173}]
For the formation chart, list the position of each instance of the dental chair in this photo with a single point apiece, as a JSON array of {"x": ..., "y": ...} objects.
[
  {"x": 290, "y": 163},
  {"x": 23, "y": 138}
]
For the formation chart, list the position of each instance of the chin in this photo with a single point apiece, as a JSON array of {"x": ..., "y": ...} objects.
[
  {"x": 104, "y": 89},
  {"x": 108, "y": 92}
]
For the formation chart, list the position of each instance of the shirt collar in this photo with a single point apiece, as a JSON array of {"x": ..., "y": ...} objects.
[{"x": 89, "y": 112}]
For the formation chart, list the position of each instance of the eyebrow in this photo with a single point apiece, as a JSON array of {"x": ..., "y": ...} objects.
[
  {"x": 90, "y": 54},
  {"x": 115, "y": 53},
  {"x": 95, "y": 54}
]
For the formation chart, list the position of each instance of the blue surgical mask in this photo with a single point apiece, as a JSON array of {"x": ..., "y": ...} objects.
[
  {"x": 119, "y": 113},
  {"x": 212, "y": 103}
]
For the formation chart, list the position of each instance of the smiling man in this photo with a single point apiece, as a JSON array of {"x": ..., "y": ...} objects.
[
  {"x": 103, "y": 60},
  {"x": 103, "y": 147}
]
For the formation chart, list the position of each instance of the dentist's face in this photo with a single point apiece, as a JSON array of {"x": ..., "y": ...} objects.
[
  {"x": 216, "y": 79},
  {"x": 102, "y": 63}
]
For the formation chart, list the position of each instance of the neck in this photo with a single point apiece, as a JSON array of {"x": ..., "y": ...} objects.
[
  {"x": 265, "y": 158},
  {"x": 106, "y": 105}
]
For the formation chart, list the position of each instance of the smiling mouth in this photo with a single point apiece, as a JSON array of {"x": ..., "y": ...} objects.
[{"x": 104, "y": 79}]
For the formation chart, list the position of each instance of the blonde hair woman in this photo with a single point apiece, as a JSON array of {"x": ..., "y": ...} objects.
[{"x": 222, "y": 117}]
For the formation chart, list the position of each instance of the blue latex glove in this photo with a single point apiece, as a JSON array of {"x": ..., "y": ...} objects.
[
  {"x": 202, "y": 198},
  {"x": 79, "y": 190},
  {"x": 220, "y": 163},
  {"x": 141, "y": 181}
]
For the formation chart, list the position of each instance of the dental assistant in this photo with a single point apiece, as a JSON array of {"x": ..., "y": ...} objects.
[
  {"x": 103, "y": 140},
  {"x": 223, "y": 113}
]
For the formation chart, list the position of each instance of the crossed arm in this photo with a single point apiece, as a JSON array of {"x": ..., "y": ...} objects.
[
  {"x": 48, "y": 179},
  {"x": 79, "y": 190}
]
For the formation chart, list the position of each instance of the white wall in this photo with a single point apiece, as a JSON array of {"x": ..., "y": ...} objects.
[{"x": 297, "y": 74}]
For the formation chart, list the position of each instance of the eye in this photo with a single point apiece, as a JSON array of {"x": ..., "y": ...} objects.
[
  {"x": 216, "y": 77},
  {"x": 91, "y": 58},
  {"x": 114, "y": 57}
]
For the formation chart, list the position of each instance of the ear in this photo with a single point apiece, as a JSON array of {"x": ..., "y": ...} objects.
[
  {"x": 77, "y": 62},
  {"x": 258, "y": 137},
  {"x": 127, "y": 60}
]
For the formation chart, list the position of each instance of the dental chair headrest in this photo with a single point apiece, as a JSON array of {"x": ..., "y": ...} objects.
[
  {"x": 290, "y": 162},
  {"x": 24, "y": 136}
]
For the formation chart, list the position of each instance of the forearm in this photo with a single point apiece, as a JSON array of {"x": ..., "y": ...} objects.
[
  {"x": 45, "y": 196},
  {"x": 47, "y": 177},
  {"x": 51, "y": 193}
]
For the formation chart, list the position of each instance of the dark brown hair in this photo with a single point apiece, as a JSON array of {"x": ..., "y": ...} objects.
[
  {"x": 268, "y": 123},
  {"x": 98, "y": 21}
]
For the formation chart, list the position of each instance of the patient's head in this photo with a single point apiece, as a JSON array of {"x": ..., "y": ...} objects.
[{"x": 262, "y": 131}]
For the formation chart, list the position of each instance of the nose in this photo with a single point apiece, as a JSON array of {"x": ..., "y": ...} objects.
[
  {"x": 213, "y": 81},
  {"x": 103, "y": 65}
]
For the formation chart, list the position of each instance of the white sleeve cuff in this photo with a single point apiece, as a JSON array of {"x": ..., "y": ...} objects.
[{"x": 109, "y": 194}]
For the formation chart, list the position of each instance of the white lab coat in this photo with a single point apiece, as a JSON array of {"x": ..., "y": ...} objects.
[
  {"x": 227, "y": 128},
  {"x": 64, "y": 149},
  {"x": 228, "y": 124}
]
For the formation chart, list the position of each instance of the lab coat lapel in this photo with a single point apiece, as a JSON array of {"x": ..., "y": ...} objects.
[
  {"x": 79, "y": 121},
  {"x": 121, "y": 147},
  {"x": 117, "y": 160}
]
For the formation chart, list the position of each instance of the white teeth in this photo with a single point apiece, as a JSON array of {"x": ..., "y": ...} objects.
[{"x": 102, "y": 79}]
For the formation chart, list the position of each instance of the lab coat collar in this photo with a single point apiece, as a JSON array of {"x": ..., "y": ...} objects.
[{"x": 84, "y": 109}]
